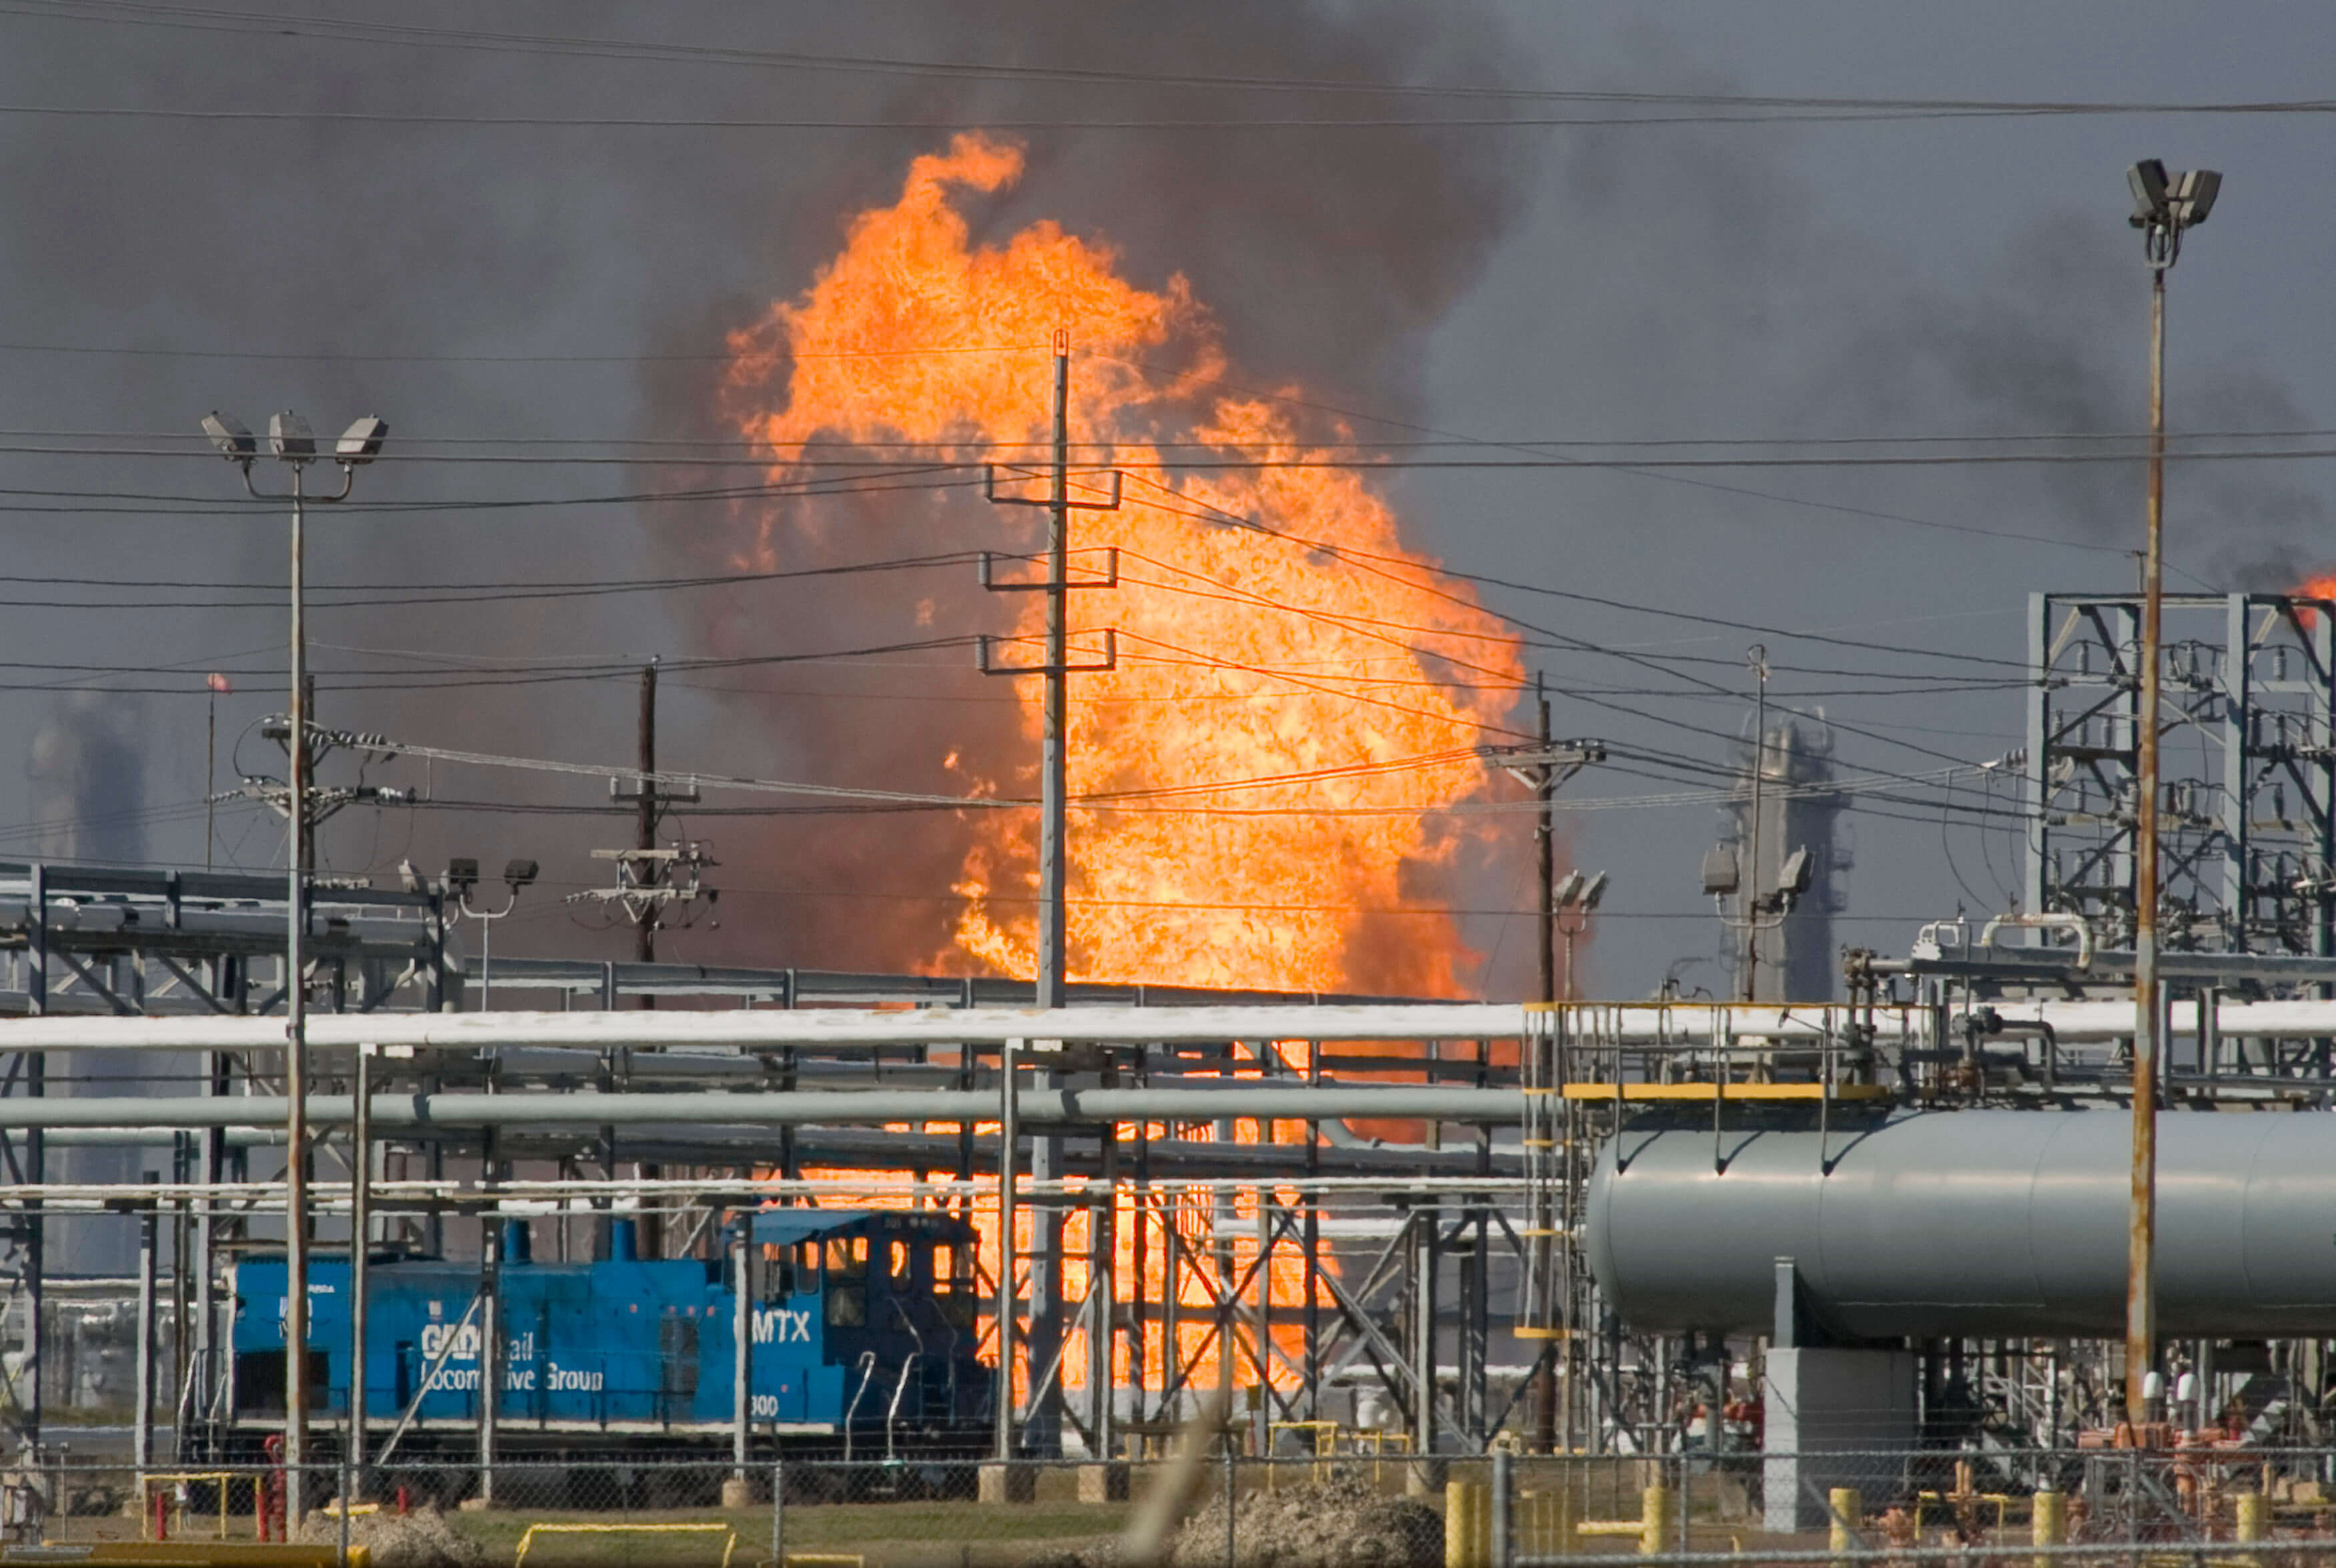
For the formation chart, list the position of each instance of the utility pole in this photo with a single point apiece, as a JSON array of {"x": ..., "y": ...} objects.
[
  {"x": 1751, "y": 979},
  {"x": 644, "y": 827},
  {"x": 652, "y": 1223},
  {"x": 1045, "y": 1336},
  {"x": 2163, "y": 207},
  {"x": 1545, "y": 768},
  {"x": 1545, "y": 850}
]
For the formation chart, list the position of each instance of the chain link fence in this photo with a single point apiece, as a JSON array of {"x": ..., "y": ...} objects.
[{"x": 2223, "y": 1507}]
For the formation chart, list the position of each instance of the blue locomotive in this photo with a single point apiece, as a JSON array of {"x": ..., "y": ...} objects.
[{"x": 863, "y": 1341}]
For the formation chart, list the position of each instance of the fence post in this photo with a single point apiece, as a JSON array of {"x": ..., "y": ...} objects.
[
  {"x": 1233, "y": 1490},
  {"x": 1504, "y": 1537},
  {"x": 778, "y": 1514}
]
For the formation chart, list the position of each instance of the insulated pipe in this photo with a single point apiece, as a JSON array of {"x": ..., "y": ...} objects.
[
  {"x": 1977, "y": 1223},
  {"x": 830, "y": 1107},
  {"x": 776, "y": 1027},
  {"x": 1688, "y": 1026}
]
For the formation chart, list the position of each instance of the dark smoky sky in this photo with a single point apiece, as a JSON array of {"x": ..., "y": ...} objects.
[{"x": 1917, "y": 279}]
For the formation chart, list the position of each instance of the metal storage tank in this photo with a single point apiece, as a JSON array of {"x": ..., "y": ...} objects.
[{"x": 1975, "y": 1223}]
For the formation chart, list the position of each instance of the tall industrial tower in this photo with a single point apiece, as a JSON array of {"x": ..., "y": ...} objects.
[{"x": 2247, "y": 790}]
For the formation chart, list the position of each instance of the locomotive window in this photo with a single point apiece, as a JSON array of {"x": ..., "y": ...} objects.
[
  {"x": 944, "y": 1269},
  {"x": 897, "y": 1261},
  {"x": 847, "y": 1306},
  {"x": 847, "y": 1256}
]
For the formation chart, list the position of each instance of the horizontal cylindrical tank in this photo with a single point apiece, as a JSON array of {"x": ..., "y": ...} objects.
[{"x": 1977, "y": 1223}]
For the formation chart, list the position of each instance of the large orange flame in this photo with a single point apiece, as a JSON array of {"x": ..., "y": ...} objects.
[
  {"x": 1247, "y": 649},
  {"x": 1243, "y": 654}
]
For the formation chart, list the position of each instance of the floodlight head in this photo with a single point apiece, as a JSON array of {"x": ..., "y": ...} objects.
[
  {"x": 1591, "y": 892},
  {"x": 462, "y": 875},
  {"x": 2193, "y": 196},
  {"x": 226, "y": 433},
  {"x": 1719, "y": 876},
  {"x": 361, "y": 443},
  {"x": 290, "y": 439},
  {"x": 518, "y": 874},
  {"x": 1799, "y": 870},
  {"x": 1568, "y": 889},
  {"x": 2148, "y": 181}
]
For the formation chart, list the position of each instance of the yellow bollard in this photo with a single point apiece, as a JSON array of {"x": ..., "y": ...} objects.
[
  {"x": 2255, "y": 1523},
  {"x": 1846, "y": 1510},
  {"x": 2048, "y": 1523},
  {"x": 1658, "y": 1521},
  {"x": 1468, "y": 1524}
]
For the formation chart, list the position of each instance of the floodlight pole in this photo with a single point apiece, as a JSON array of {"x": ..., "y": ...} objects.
[
  {"x": 294, "y": 448},
  {"x": 295, "y": 1034},
  {"x": 2141, "y": 1264}
]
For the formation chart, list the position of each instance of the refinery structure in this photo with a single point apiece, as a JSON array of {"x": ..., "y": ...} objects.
[
  {"x": 1146, "y": 1045},
  {"x": 1895, "y": 1218}
]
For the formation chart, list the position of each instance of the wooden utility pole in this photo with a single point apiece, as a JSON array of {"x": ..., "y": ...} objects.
[
  {"x": 651, "y": 1229},
  {"x": 1042, "y": 1434},
  {"x": 1544, "y": 767},
  {"x": 645, "y": 829}
]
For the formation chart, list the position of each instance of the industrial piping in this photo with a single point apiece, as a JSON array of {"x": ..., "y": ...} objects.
[
  {"x": 1969, "y": 1223},
  {"x": 1684, "y": 1026},
  {"x": 828, "y": 1107}
]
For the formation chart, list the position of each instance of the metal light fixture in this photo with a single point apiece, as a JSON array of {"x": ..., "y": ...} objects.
[
  {"x": 1720, "y": 873},
  {"x": 518, "y": 874},
  {"x": 235, "y": 443},
  {"x": 1793, "y": 877},
  {"x": 1576, "y": 895},
  {"x": 289, "y": 439},
  {"x": 361, "y": 443},
  {"x": 1591, "y": 892}
]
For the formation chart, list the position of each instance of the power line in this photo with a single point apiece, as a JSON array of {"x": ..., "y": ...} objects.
[{"x": 276, "y": 24}]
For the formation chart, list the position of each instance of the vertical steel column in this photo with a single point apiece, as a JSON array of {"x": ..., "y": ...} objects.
[
  {"x": 742, "y": 1317},
  {"x": 491, "y": 1339},
  {"x": 2237, "y": 798},
  {"x": 1007, "y": 1134},
  {"x": 360, "y": 1268},
  {"x": 36, "y": 1144},
  {"x": 2321, "y": 739},
  {"x": 1424, "y": 1223},
  {"x": 1103, "y": 1282},
  {"x": 1313, "y": 1244},
  {"x": 141, "y": 1434}
]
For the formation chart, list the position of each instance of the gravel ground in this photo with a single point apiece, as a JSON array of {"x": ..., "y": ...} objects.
[
  {"x": 420, "y": 1539},
  {"x": 1337, "y": 1524}
]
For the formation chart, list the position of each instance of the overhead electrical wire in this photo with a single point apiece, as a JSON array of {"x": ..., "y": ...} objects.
[{"x": 408, "y": 35}]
